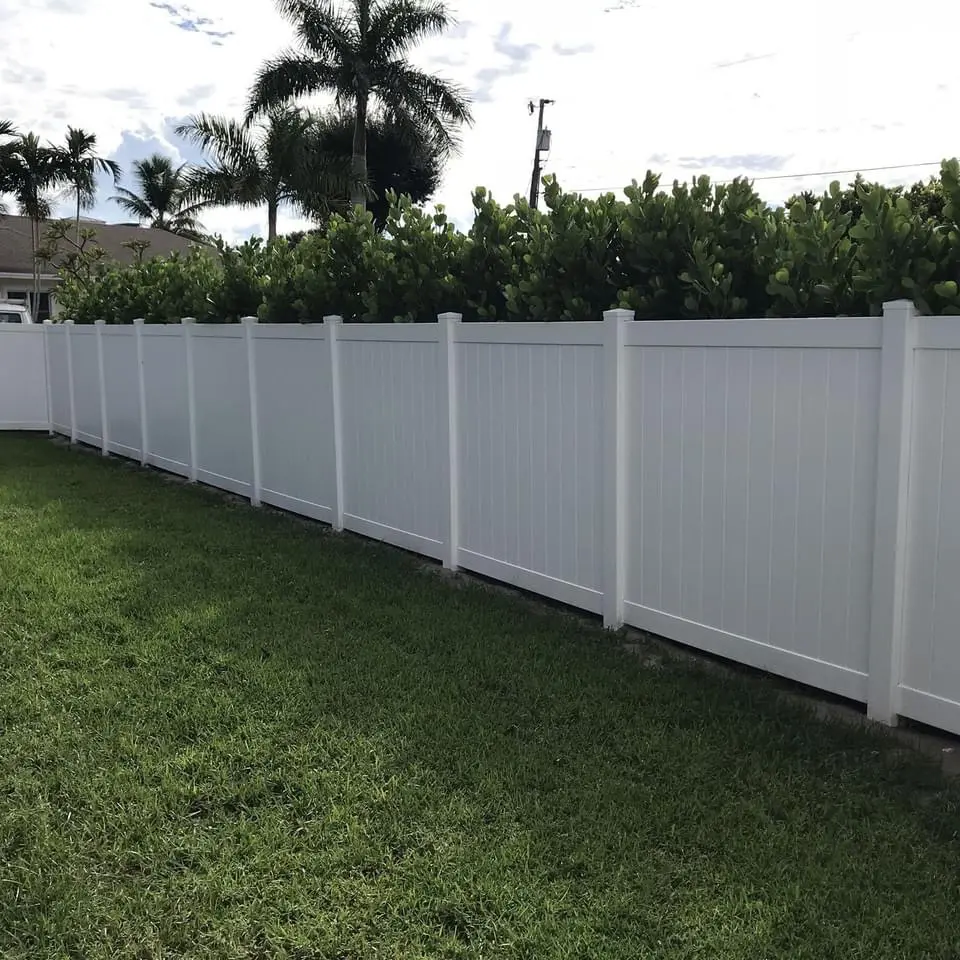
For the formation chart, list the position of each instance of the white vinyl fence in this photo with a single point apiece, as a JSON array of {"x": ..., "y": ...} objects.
[{"x": 773, "y": 491}]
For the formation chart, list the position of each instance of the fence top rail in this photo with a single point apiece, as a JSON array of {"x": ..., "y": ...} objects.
[
  {"x": 938, "y": 333},
  {"x": 390, "y": 332},
  {"x": 824, "y": 332},
  {"x": 36, "y": 329},
  {"x": 217, "y": 331},
  {"x": 288, "y": 331},
  {"x": 569, "y": 334},
  {"x": 162, "y": 330}
]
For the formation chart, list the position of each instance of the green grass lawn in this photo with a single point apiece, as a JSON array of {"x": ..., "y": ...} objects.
[{"x": 228, "y": 733}]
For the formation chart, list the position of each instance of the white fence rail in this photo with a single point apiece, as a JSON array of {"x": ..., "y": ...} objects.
[{"x": 773, "y": 491}]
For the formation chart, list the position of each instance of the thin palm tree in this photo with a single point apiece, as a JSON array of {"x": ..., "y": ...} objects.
[
  {"x": 7, "y": 130},
  {"x": 163, "y": 200},
  {"x": 81, "y": 167},
  {"x": 274, "y": 163},
  {"x": 358, "y": 51},
  {"x": 31, "y": 171}
]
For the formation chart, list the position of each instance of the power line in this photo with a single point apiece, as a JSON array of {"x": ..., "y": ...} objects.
[{"x": 793, "y": 176}]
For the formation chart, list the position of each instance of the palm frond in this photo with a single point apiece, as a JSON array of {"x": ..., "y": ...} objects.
[
  {"x": 190, "y": 210},
  {"x": 289, "y": 76},
  {"x": 321, "y": 29},
  {"x": 186, "y": 227},
  {"x": 30, "y": 169},
  {"x": 230, "y": 142},
  {"x": 102, "y": 165},
  {"x": 220, "y": 186},
  {"x": 424, "y": 104},
  {"x": 400, "y": 24},
  {"x": 133, "y": 204}
]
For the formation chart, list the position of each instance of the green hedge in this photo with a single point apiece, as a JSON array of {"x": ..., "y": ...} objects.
[{"x": 697, "y": 250}]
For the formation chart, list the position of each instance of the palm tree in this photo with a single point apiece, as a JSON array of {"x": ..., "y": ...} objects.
[
  {"x": 82, "y": 165},
  {"x": 31, "y": 170},
  {"x": 274, "y": 163},
  {"x": 7, "y": 129},
  {"x": 396, "y": 160},
  {"x": 163, "y": 201},
  {"x": 358, "y": 52}
]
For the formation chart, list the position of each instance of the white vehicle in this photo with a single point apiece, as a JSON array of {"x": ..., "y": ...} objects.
[{"x": 14, "y": 313}]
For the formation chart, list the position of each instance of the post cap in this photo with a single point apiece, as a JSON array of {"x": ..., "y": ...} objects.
[
  {"x": 248, "y": 321},
  {"x": 100, "y": 322},
  {"x": 139, "y": 321},
  {"x": 451, "y": 317},
  {"x": 333, "y": 318},
  {"x": 618, "y": 314},
  {"x": 188, "y": 319}
]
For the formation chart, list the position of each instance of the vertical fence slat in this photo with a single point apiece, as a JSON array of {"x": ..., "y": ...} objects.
[
  {"x": 890, "y": 517},
  {"x": 46, "y": 370},
  {"x": 249, "y": 325},
  {"x": 332, "y": 326},
  {"x": 447, "y": 344},
  {"x": 102, "y": 382},
  {"x": 614, "y": 483},
  {"x": 70, "y": 384},
  {"x": 188, "y": 323},
  {"x": 142, "y": 393}
]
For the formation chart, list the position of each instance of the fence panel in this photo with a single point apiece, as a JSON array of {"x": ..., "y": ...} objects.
[
  {"x": 295, "y": 414},
  {"x": 56, "y": 343},
  {"x": 121, "y": 379},
  {"x": 165, "y": 388},
  {"x": 753, "y": 514},
  {"x": 750, "y": 507},
  {"x": 930, "y": 671},
  {"x": 23, "y": 377},
  {"x": 392, "y": 440},
  {"x": 222, "y": 396},
  {"x": 530, "y": 432},
  {"x": 86, "y": 383}
]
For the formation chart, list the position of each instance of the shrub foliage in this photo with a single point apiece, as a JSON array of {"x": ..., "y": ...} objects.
[{"x": 696, "y": 250}]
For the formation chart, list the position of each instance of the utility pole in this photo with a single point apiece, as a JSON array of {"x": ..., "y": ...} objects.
[{"x": 543, "y": 144}]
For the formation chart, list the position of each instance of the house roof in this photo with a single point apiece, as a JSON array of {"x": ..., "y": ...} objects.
[{"x": 16, "y": 250}]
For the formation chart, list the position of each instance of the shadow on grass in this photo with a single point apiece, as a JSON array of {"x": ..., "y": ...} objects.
[{"x": 234, "y": 733}]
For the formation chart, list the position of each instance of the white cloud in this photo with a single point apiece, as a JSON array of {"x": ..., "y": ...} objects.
[{"x": 701, "y": 88}]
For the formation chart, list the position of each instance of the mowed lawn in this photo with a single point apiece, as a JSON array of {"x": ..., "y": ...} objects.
[{"x": 229, "y": 733}]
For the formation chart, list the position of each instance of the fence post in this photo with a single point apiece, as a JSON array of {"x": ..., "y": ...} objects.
[
  {"x": 188, "y": 324},
  {"x": 142, "y": 393},
  {"x": 614, "y": 481},
  {"x": 73, "y": 402},
  {"x": 46, "y": 369},
  {"x": 249, "y": 325},
  {"x": 890, "y": 510},
  {"x": 332, "y": 325},
  {"x": 448, "y": 326},
  {"x": 102, "y": 378}
]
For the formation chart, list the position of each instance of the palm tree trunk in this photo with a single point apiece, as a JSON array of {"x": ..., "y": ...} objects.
[
  {"x": 272, "y": 219},
  {"x": 35, "y": 240},
  {"x": 78, "y": 214},
  {"x": 358, "y": 165}
]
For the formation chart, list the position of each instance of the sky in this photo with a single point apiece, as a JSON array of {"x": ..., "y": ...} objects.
[{"x": 743, "y": 87}]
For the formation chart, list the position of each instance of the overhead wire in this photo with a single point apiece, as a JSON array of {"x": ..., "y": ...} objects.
[{"x": 790, "y": 176}]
